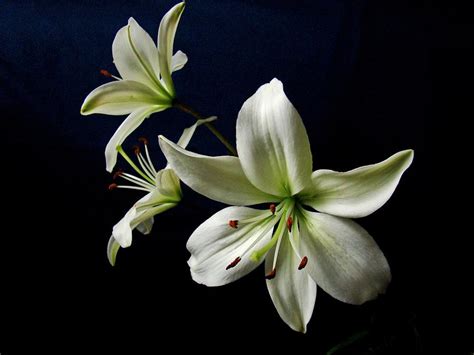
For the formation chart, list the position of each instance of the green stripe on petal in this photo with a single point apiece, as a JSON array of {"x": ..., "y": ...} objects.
[
  {"x": 272, "y": 142},
  {"x": 121, "y": 98},
  {"x": 166, "y": 34}
]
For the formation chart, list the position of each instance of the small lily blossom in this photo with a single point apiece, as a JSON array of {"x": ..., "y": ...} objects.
[
  {"x": 145, "y": 85},
  {"x": 163, "y": 192},
  {"x": 301, "y": 248}
]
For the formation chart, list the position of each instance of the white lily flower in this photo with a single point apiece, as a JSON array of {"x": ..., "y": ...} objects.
[
  {"x": 163, "y": 192},
  {"x": 145, "y": 86},
  {"x": 301, "y": 248}
]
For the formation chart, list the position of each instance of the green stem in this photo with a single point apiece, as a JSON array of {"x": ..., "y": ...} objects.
[
  {"x": 189, "y": 110},
  {"x": 349, "y": 341}
]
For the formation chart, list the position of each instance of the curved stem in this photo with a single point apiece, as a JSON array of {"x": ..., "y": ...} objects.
[{"x": 189, "y": 110}]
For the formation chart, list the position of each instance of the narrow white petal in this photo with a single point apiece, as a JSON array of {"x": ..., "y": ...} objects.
[
  {"x": 178, "y": 61},
  {"x": 144, "y": 214},
  {"x": 112, "y": 249},
  {"x": 121, "y": 98},
  {"x": 130, "y": 124},
  {"x": 359, "y": 192},
  {"x": 166, "y": 33},
  {"x": 146, "y": 226},
  {"x": 272, "y": 142},
  {"x": 343, "y": 258},
  {"x": 122, "y": 231},
  {"x": 214, "y": 245},
  {"x": 218, "y": 178},
  {"x": 135, "y": 55},
  {"x": 293, "y": 291},
  {"x": 189, "y": 132}
]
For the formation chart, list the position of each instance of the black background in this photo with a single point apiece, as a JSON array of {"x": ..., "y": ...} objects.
[{"x": 368, "y": 80}]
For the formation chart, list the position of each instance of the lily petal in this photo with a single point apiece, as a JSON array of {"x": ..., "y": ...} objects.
[
  {"x": 343, "y": 259},
  {"x": 135, "y": 55},
  {"x": 168, "y": 185},
  {"x": 189, "y": 132},
  {"x": 218, "y": 178},
  {"x": 122, "y": 231},
  {"x": 272, "y": 142},
  {"x": 359, "y": 192},
  {"x": 166, "y": 33},
  {"x": 293, "y": 291},
  {"x": 214, "y": 245},
  {"x": 112, "y": 249},
  {"x": 130, "y": 124},
  {"x": 178, "y": 61},
  {"x": 121, "y": 98},
  {"x": 146, "y": 226}
]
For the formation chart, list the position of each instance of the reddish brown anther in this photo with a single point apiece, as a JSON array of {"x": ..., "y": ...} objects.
[
  {"x": 117, "y": 174},
  {"x": 272, "y": 208},
  {"x": 271, "y": 274},
  {"x": 234, "y": 263},
  {"x": 303, "y": 263},
  {"x": 143, "y": 140},
  {"x": 112, "y": 186},
  {"x": 233, "y": 223},
  {"x": 105, "y": 73},
  {"x": 136, "y": 149},
  {"x": 289, "y": 223}
]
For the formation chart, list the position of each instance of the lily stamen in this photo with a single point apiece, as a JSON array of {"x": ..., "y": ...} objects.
[
  {"x": 117, "y": 174},
  {"x": 303, "y": 263},
  {"x": 289, "y": 223},
  {"x": 234, "y": 263},
  {"x": 112, "y": 186},
  {"x": 272, "y": 208},
  {"x": 271, "y": 274},
  {"x": 107, "y": 74}
]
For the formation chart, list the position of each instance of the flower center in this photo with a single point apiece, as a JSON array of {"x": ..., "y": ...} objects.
[
  {"x": 146, "y": 181},
  {"x": 285, "y": 218}
]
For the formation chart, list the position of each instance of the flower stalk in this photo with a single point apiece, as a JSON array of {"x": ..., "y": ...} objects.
[{"x": 191, "y": 111}]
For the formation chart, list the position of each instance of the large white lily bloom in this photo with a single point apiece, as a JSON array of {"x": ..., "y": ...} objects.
[
  {"x": 301, "y": 248},
  {"x": 163, "y": 192},
  {"x": 145, "y": 86}
]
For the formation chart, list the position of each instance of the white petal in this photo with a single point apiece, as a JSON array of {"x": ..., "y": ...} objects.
[
  {"x": 178, "y": 61},
  {"x": 146, "y": 226},
  {"x": 166, "y": 33},
  {"x": 343, "y": 258},
  {"x": 122, "y": 231},
  {"x": 272, "y": 142},
  {"x": 144, "y": 214},
  {"x": 136, "y": 56},
  {"x": 136, "y": 216},
  {"x": 112, "y": 249},
  {"x": 293, "y": 291},
  {"x": 130, "y": 124},
  {"x": 214, "y": 245},
  {"x": 121, "y": 98},
  {"x": 218, "y": 178},
  {"x": 168, "y": 185},
  {"x": 189, "y": 132},
  {"x": 359, "y": 192}
]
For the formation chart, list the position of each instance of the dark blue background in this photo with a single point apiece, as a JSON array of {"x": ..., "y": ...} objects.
[{"x": 365, "y": 78}]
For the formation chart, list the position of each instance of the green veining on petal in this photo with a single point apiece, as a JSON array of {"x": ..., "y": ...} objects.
[{"x": 147, "y": 69}]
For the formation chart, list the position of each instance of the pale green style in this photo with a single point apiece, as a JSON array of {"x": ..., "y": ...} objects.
[
  {"x": 301, "y": 248},
  {"x": 145, "y": 86},
  {"x": 163, "y": 192}
]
